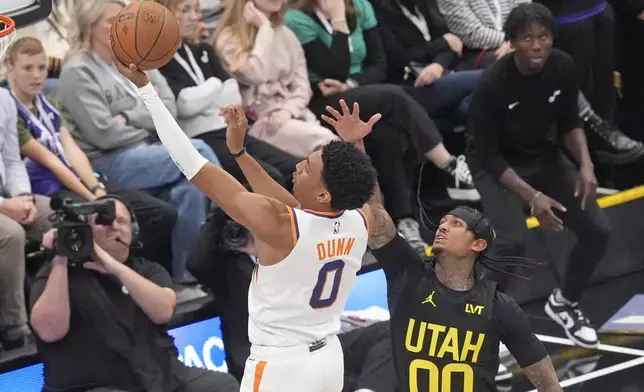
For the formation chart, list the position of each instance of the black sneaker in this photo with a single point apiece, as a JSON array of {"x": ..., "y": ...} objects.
[
  {"x": 463, "y": 188},
  {"x": 609, "y": 144},
  {"x": 575, "y": 324}
]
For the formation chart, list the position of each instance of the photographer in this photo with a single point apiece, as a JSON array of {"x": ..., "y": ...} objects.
[
  {"x": 101, "y": 323},
  {"x": 224, "y": 261}
]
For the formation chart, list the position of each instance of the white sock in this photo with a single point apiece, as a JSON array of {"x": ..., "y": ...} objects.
[{"x": 365, "y": 390}]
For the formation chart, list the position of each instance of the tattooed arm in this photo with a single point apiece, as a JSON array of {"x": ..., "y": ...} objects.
[
  {"x": 542, "y": 375},
  {"x": 381, "y": 225}
]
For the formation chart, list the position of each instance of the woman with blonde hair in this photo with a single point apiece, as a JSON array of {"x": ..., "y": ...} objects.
[
  {"x": 110, "y": 123},
  {"x": 268, "y": 62}
]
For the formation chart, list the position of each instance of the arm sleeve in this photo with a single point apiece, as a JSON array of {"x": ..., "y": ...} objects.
[
  {"x": 374, "y": 69},
  {"x": 464, "y": 23},
  {"x": 484, "y": 129},
  {"x": 84, "y": 102},
  {"x": 165, "y": 93},
  {"x": 568, "y": 117},
  {"x": 17, "y": 180},
  {"x": 515, "y": 332},
  {"x": 397, "y": 256},
  {"x": 329, "y": 62}
]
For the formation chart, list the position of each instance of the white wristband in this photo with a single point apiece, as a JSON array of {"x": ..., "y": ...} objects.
[{"x": 179, "y": 146}]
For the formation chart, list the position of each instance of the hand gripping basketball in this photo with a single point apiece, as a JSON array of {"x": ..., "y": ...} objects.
[{"x": 135, "y": 75}]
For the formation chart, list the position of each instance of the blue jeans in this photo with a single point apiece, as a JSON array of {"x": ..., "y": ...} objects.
[
  {"x": 149, "y": 167},
  {"x": 445, "y": 97}
]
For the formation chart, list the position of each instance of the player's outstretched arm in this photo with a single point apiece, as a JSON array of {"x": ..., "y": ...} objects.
[
  {"x": 266, "y": 218},
  {"x": 542, "y": 375},
  {"x": 353, "y": 130},
  {"x": 260, "y": 181}
]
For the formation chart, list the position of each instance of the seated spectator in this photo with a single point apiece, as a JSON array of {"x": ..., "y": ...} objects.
[
  {"x": 269, "y": 65},
  {"x": 21, "y": 214},
  {"x": 202, "y": 86},
  {"x": 113, "y": 127},
  {"x": 479, "y": 24},
  {"x": 102, "y": 323},
  {"x": 57, "y": 166},
  {"x": 359, "y": 58},
  {"x": 224, "y": 260},
  {"x": 404, "y": 125},
  {"x": 523, "y": 110},
  {"x": 348, "y": 63},
  {"x": 421, "y": 51}
]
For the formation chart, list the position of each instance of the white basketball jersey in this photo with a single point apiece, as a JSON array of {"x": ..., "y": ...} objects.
[{"x": 299, "y": 300}]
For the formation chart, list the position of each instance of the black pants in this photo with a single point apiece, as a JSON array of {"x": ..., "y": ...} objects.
[
  {"x": 558, "y": 182},
  {"x": 278, "y": 164},
  {"x": 397, "y": 143},
  {"x": 156, "y": 220},
  {"x": 194, "y": 379},
  {"x": 590, "y": 42},
  {"x": 368, "y": 359}
]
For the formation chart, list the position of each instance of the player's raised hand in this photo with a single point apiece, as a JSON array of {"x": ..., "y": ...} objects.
[
  {"x": 135, "y": 75},
  {"x": 235, "y": 117},
  {"x": 349, "y": 125}
]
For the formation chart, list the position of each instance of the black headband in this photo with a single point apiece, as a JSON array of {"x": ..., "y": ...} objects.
[{"x": 477, "y": 222}]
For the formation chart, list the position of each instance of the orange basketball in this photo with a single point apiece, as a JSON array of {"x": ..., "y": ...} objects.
[{"x": 145, "y": 33}]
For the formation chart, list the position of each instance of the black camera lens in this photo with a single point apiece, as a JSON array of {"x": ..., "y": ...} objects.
[{"x": 74, "y": 240}]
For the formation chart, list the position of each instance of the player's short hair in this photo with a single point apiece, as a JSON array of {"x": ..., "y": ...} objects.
[
  {"x": 348, "y": 175},
  {"x": 26, "y": 45},
  {"x": 523, "y": 15}
]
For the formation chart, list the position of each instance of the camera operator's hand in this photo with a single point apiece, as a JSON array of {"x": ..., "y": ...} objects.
[
  {"x": 103, "y": 262},
  {"x": 48, "y": 239},
  {"x": 19, "y": 208}
]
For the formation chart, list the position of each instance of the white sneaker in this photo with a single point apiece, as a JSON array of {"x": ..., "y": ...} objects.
[
  {"x": 503, "y": 374},
  {"x": 575, "y": 324}
]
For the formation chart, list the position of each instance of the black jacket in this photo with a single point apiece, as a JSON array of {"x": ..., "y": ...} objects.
[{"x": 403, "y": 41}]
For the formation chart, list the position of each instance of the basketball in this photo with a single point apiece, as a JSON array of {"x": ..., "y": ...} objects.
[{"x": 146, "y": 34}]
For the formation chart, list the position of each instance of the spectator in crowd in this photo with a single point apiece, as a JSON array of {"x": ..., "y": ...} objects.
[
  {"x": 480, "y": 25},
  {"x": 421, "y": 51},
  {"x": 224, "y": 260},
  {"x": 395, "y": 165},
  {"x": 111, "y": 124},
  {"x": 202, "y": 86},
  {"x": 21, "y": 214},
  {"x": 56, "y": 165},
  {"x": 269, "y": 65},
  {"x": 101, "y": 324},
  {"x": 345, "y": 61},
  {"x": 211, "y": 11},
  {"x": 525, "y": 104}
]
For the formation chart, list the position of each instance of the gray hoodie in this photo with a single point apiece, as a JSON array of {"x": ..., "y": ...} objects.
[{"x": 92, "y": 93}]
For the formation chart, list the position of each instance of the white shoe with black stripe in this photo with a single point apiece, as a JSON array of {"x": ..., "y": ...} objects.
[{"x": 575, "y": 324}]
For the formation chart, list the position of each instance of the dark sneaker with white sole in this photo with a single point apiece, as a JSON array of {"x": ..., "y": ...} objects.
[
  {"x": 462, "y": 187},
  {"x": 575, "y": 324}
]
